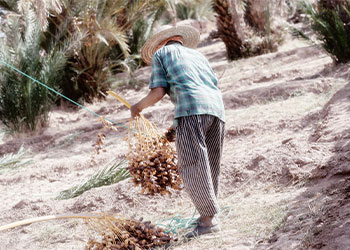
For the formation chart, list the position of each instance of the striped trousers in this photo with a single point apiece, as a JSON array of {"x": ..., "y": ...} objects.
[{"x": 199, "y": 141}]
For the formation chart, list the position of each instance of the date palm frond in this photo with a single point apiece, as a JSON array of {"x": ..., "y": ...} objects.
[
  {"x": 114, "y": 172},
  {"x": 14, "y": 159},
  {"x": 330, "y": 21}
]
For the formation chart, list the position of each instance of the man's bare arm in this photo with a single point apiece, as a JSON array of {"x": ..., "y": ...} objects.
[{"x": 153, "y": 97}]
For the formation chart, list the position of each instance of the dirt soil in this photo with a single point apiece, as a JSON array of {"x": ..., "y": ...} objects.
[{"x": 285, "y": 180}]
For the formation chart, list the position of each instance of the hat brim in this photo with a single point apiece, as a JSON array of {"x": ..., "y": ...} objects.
[{"x": 189, "y": 34}]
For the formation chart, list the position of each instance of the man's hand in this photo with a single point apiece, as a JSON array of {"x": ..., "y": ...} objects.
[
  {"x": 153, "y": 96},
  {"x": 135, "y": 110}
]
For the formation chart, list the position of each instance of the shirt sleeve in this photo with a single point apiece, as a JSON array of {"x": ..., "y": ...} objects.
[{"x": 158, "y": 77}]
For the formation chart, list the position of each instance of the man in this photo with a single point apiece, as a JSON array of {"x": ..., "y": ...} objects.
[{"x": 186, "y": 76}]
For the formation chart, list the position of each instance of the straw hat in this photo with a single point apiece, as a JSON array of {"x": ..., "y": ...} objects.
[{"x": 189, "y": 35}]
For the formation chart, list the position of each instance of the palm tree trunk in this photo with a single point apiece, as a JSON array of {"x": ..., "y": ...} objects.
[
  {"x": 255, "y": 14},
  {"x": 229, "y": 28}
]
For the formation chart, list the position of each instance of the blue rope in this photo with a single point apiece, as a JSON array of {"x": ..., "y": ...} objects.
[
  {"x": 177, "y": 222},
  {"x": 58, "y": 93}
]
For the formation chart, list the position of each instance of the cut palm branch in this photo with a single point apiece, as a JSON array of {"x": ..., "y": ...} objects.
[
  {"x": 14, "y": 160},
  {"x": 152, "y": 159},
  {"x": 114, "y": 172},
  {"x": 116, "y": 233},
  {"x": 51, "y": 217},
  {"x": 119, "y": 98}
]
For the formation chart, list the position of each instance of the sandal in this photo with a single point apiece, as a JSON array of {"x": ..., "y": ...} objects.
[{"x": 195, "y": 222}]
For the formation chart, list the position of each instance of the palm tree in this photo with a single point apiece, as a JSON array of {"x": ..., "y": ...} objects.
[
  {"x": 42, "y": 8},
  {"x": 342, "y": 7},
  {"x": 255, "y": 15},
  {"x": 24, "y": 105},
  {"x": 73, "y": 49},
  {"x": 332, "y": 4},
  {"x": 194, "y": 9},
  {"x": 239, "y": 39},
  {"x": 110, "y": 27},
  {"x": 330, "y": 21},
  {"x": 229, "y": 28}
]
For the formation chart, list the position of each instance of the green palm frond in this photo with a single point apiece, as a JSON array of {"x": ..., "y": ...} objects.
[
  {"x": 24, "y": 104},
  {"x": 141, "y": 8},
  {"x": 110, "y": 8},
  {"x": 55, "y": 5},
  {"x": 75, "y": 7},
  {"x": 42, "y": 9},
  {"x": 109, "y": 25},
  {"x": 71, "y": 45},
  {"x": 114, "y": 35},
  {"x": 14, "y": 160},
  {"x": 31, "y": 37},
  {"x": 141, "y": 31},
  {"x": 114, "y": 172},
  {"x": 331, "y": 26},
  {"x": 299, "y": 33},
  {"x": 198, "y": 9}
]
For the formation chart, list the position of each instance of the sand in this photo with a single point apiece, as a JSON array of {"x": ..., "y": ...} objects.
[{"x": 285, "y": 178}]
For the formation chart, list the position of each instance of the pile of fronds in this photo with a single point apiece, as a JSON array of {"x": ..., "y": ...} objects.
[
  {"x": 115, "y": 233},
  {"x": 114, "y": 172},
  {"x": 128, "y": 234},
  {"x": 152, "y": 160},
  {"x": 331, "y": 22}
]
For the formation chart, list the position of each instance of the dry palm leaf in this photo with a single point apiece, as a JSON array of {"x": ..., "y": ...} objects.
[{"x": 42, "y": 9}]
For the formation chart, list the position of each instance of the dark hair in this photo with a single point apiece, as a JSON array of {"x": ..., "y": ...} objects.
[{"x": 172, "y": 42}]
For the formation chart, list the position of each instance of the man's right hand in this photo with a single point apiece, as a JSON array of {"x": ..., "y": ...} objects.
[
  {"x": 153, "y": 96},
  {"x": 135, "y": 110}
]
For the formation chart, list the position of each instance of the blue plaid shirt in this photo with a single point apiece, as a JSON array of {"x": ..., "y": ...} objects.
[{"x": 189, "y": 81}]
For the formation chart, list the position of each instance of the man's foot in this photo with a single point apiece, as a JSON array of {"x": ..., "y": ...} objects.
[
  {"x": 198, "y": 221},
  {"x": 201, "y": 230}
]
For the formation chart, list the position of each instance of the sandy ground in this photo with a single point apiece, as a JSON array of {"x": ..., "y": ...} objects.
[{"x": 285, "y": 171}]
